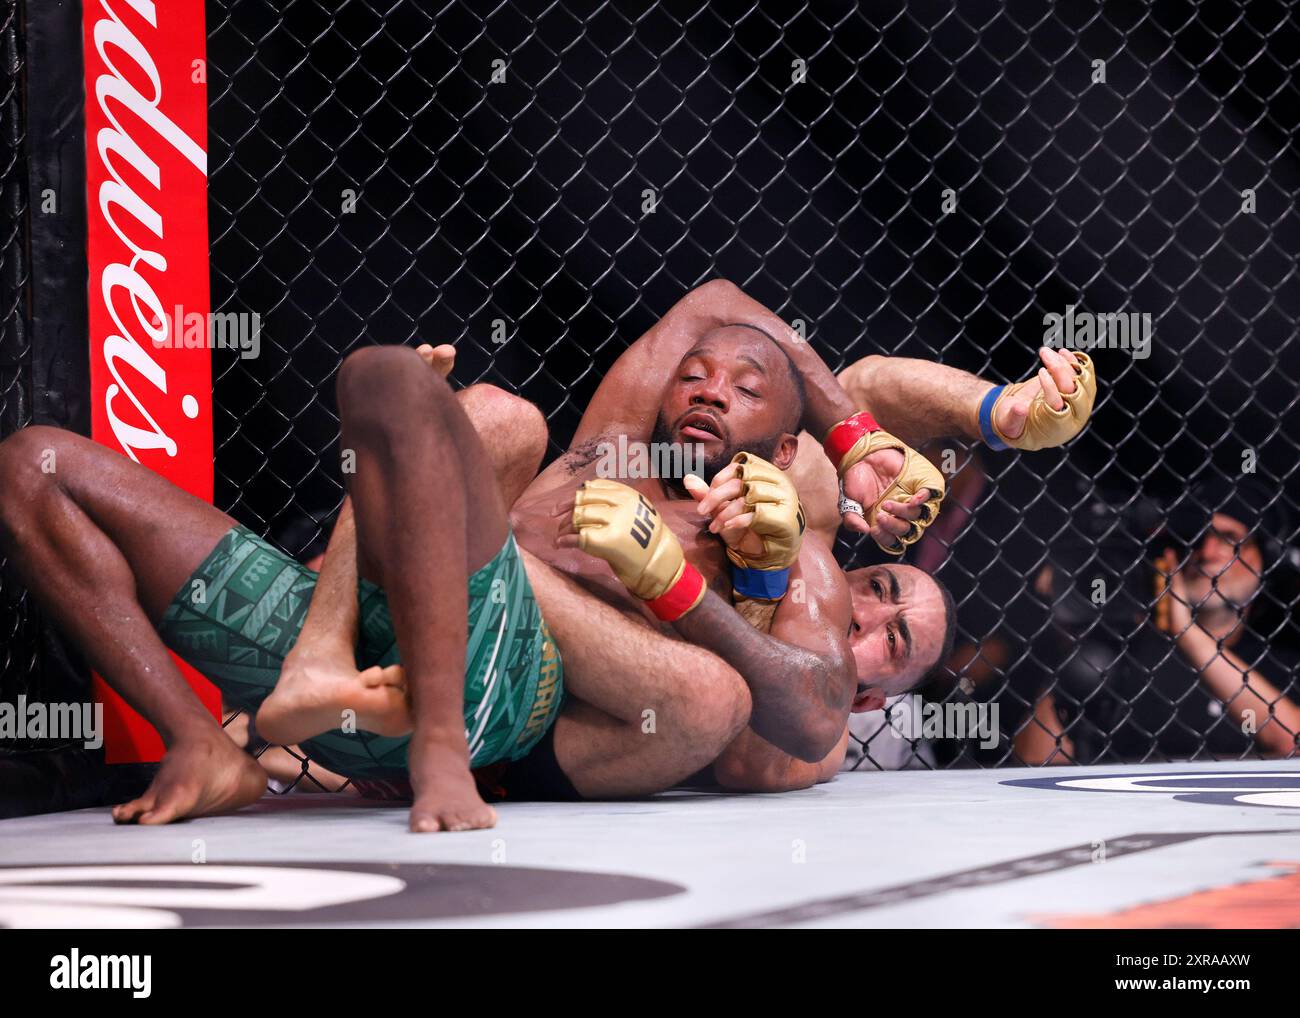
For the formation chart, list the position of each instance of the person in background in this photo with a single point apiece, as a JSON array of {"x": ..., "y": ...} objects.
[{"x": 1203, "y": 676}]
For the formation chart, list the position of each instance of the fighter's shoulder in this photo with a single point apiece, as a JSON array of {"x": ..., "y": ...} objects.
[
  {"x": 820, "y": 584},
  {"x": 819, "y": 570}
]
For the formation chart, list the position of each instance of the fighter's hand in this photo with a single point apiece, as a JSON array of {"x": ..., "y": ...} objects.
[
  {"x": 723, "y": 504},
  {"x": 1052, "y": 407},
  {"x": 441, "y": 358},
  {"x": 618, "y": 524},
  {"x": 754, "y": 507},
  {"x": 898, "y": 488},
  {"x": 893, "y": 523}
]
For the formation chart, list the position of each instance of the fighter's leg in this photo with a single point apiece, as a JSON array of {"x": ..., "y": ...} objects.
[
  {"x": 319, "y": 683},
  {"x": 428, "y": 514},
  {"x": 513, "y": 432},
  {"x": 103, "y": 544},
  {"x": 648, "y": 711},
  {"x": 320, "y": 678}
]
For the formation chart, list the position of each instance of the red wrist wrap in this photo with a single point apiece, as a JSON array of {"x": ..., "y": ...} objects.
[
  {"x": 845, "y": 435},
  {"x": 681, "y": 597}
]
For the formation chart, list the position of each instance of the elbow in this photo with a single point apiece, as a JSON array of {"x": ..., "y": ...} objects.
[
  {"x": 818, "y": 735},
  {"x": 808, "y": 727},
  {"x": 841, "y": 680},
  {"x": 819, "y": 741},
  {"x": 868, "y": 366},
  {"x": 806, "y": 742},
  {"x": 737, "y": 775}
]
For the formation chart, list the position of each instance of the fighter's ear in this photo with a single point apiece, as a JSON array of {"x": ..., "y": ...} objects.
[
  {"x": 786, "y": 450},
  {"x": 872, "y": 699}
]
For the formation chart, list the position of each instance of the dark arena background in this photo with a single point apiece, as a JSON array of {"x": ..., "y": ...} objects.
[{"x": 537, "y": 183}]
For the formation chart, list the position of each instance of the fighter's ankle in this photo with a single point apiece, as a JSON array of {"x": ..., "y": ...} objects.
[
  {"x": 441, "y": 739},
  {"x": 323, "y": 648}
]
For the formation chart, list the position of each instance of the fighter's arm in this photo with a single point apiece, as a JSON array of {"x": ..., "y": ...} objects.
[
  {"x": 818, "y": 488},
  {"x": 801, "y": 673},
  {"x": 629, "y": 396},
  {"x": 752, "y": 764},
  {"x": 1250, "y": 699},
  {"x": 920, "y": 400}
]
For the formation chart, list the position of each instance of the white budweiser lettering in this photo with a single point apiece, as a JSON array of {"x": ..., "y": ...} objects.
[{"x": 116, "y": 145}]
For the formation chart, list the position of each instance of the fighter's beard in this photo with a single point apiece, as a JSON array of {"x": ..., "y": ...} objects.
[{"x": 764, "y": 448}]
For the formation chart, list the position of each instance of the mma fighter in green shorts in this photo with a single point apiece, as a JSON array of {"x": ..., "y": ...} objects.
[
  {"x": 128, "y": 565},
  {"x": 106, "y": 546}
]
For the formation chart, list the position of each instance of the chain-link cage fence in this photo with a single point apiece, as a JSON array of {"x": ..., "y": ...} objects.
[
  {"x": 20, "y": 643},
  {"x": 538, "y": 183},
  {"x": 34, "y": 662}
]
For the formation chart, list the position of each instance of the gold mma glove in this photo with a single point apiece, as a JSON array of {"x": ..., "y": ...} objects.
[
  {"x": 620, "y": 525},
  {"x": 853, "y": 440},
  {"x": 1045, "y": 428},
  {"x": 778, "y": 519}
]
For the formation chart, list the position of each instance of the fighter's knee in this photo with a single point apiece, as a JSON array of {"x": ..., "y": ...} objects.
[
  {"x": 29, "y": 462},
  {"x": 493, "y": 409},
  {"x": 376, "y": 363},
  {"x": 30, "y": 455},
  {"x": 380, "y": 378}
]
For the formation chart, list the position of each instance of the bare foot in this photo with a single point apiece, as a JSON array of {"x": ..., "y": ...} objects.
[
  {"x": 197, "y": 778},
  {"x": 446, "y": 798},
  {"x": 316, "y": 690}
]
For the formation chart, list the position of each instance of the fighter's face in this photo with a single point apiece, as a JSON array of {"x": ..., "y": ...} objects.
[
  {"x": 731, "y": 393},
  {"x": 897, "y": 632},
  {"x": 1224, "y": 569}
]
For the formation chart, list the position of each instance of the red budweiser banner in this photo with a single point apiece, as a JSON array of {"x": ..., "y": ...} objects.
[{"x": 147, "y": 241}]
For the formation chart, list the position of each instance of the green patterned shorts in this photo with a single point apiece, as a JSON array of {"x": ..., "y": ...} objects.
[{"x": 239, "y": 614}]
